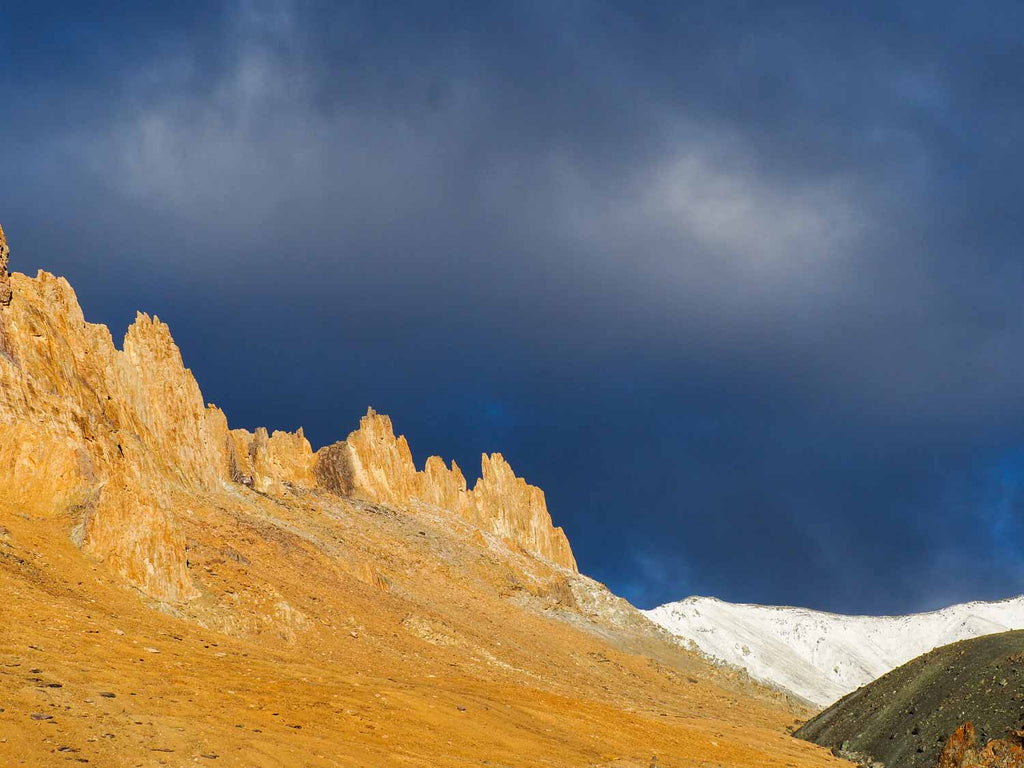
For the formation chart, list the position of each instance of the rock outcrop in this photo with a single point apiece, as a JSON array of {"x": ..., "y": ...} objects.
[
  {"x": 5, "y": 279},
  {"x": 962, "y": 750},
  {"x": 117, "y": 439},
  {"x": 271, "y": 463},
  {"x": 374, "y": 464},
  {"x": 104, "y": 434},
  {"x": 516, "y": 510},
  {"x": 379, "y": 466}
]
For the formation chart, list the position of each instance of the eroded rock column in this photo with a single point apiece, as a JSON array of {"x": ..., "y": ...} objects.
[{"x": 5, "y": 277}]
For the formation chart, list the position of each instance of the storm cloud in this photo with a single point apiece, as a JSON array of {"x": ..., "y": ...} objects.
[{"x": 738, "y": 286}]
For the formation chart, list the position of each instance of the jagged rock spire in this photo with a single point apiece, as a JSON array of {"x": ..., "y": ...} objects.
[
  {"x": 5, "y": 279},
  {"x": 374, "y": 464},
  {"x": 112, "y": 435}
]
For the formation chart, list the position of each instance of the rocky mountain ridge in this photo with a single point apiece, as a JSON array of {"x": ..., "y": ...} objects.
[
  {"x": 374, "y": 464},
  {"x": 105, "y": 434}
]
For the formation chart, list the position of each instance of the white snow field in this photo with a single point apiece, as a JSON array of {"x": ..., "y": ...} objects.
[{"x": 823, "y": 656}]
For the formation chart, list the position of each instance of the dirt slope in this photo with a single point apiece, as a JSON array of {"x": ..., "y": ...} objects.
[
  {"x": 332, "y": 634},
  {"x": 175, "y": 593}
]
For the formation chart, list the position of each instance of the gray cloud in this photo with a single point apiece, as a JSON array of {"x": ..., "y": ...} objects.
[
  {"x": 428, "y": 170},
  {"x": 578, "y": 213}
]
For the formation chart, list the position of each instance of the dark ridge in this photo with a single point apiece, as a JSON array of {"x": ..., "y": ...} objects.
[{"x": 904, "y": 718}]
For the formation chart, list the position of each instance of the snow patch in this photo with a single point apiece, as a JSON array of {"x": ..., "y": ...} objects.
[{"x": 823, "y": 656}]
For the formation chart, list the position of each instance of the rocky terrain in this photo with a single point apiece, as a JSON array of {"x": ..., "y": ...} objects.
[
  {"x": 906, "y": 718},
  {"x": 963, "y": 751},
  {"x": 819, "y": 656},
  {"x": 177, "y": 592}
]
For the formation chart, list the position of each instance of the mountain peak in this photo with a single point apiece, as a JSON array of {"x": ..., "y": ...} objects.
[{"x": 822, "y": 656}]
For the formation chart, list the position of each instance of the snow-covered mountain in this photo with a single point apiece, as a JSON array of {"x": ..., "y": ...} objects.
[{"x": 823, "y": 656}]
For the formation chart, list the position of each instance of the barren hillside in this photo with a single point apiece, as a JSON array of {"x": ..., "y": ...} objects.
[{"x": 179, "y": 593}]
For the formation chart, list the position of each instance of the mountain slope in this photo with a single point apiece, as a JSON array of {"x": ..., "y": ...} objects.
[
  {"x": 177, "y": 592},
  {"x": 823, "y": 656},
  {"x": 904, "y": 718}
]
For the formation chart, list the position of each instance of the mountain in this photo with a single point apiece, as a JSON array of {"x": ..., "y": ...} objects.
[
  {"x": 109, "y": 431},
  {"x": 177, "y": 592},
  {"x": 910, "y": 716},
  {"x": 823, "y": 656}
]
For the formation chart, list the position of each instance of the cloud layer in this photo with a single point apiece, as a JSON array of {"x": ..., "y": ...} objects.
[{"x": 739, "y": 287}]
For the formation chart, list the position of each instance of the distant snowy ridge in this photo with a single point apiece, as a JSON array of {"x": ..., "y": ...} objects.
[{"x": 823, "y": 656}]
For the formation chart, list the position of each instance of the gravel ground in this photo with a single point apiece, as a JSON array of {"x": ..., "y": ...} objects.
[{"x": 903, "y": 719}]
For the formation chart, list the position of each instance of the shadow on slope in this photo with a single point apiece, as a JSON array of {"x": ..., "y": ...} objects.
[{"x": 904, "y": 718}]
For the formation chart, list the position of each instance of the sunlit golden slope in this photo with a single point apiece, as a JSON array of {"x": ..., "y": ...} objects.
[{"x": 176, "y": 592}]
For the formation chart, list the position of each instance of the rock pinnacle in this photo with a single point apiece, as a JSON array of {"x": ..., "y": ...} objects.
[{"x": 5, "y": 278}]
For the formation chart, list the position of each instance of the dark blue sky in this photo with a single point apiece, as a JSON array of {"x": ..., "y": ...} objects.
[{"x": 738, "y": 284}]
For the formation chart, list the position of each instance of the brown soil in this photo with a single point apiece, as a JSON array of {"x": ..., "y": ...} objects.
[{"x": 337, "y": 633}]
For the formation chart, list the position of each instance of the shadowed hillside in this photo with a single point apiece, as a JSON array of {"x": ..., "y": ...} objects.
[{"x": 904, "y": 718}]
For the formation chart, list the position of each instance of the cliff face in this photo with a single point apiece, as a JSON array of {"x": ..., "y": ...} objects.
[
  {"x": 113, "y": 438},
  {"x": 270, "y": 463},
  {"x": 374, "y": 464},
  {"x": 518, "y": 511},
  {"x": 106, "y": 434}
]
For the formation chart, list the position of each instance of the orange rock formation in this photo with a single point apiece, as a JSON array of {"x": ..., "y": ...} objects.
[
  {"x": 102, "y": 433},
  {"x": 271, "y": 463},
  {"x": 962, "y": 750},
  {"x": 108, "y": 434},
  {"x": 5, "y": 281},
  {"x": 375, "y": 465}
]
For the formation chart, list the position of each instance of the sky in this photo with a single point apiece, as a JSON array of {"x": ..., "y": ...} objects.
[{"x": 739, "y": 285}]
